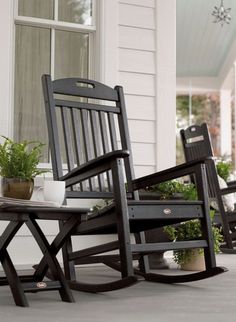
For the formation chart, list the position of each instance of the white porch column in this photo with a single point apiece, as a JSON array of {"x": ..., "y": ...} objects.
[
  {"x": 234, "y": 121},
  {"x": 108, "y": 22},
  {"x": 6, "y": 65},
  {"x": 225, "y": 123},
  {"x": 165, "y": 84}
]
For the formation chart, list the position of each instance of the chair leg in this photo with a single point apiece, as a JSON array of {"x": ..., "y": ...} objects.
[
  {"x": 225, "y": 224},
  {"x": 123, "y": 229},
  {"x": 50, "y": 257},
  {"x": 11, "y": 275},
  {"x": 14, "y": 281},
  {"x": 209, "y": 253},
  {"x": 69, "y": 267},
  {"x": 143, "y": 261}
]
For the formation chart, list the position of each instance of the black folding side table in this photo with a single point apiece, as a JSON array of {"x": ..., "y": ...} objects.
[{"x": 20, "y": 215}]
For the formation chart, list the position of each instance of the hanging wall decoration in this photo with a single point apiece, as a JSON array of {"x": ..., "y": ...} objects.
[{"x": 221, "y": 14}]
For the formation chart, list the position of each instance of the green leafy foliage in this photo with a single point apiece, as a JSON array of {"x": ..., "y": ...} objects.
[
  {"x": 224, "y": 169},
  {"x": 20, "y": 160},
  {"x": 169, "y": 189}
]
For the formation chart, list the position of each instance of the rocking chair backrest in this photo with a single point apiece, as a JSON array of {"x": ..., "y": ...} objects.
[
  {"x": 85, "y": 119},
  {"x": 197, "y": 145},
  {"x": 196, "y": 142}
]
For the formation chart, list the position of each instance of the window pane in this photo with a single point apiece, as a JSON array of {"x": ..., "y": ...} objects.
[
  {"x": 36, "y": 8},
  {"x": 77, "y": 11},
  {"x": 71, "y": 60},
  {"x": 71, "y": 54},
  {"x": 32, "y": 60}
]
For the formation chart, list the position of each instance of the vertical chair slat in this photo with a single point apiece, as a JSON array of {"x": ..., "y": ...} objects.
[
  {"x": 87, "y": 145},
  {"x": 104, "y": 132},
  {"x": 112, "y": 128},
  {"x": 97, "y": 145},
  {"x": 67, "y": 138},
  {"x": 76, "y": 121},
  {"x": 77, "y": 136},
  {"x": 105, "y": 142}
]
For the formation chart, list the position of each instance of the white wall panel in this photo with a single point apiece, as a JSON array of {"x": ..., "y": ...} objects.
[
  {"x": 25, "y": 252},
  {"x": 136, "y": 61},
  {"x": 139, "y": 84},
  {"x": 135, "y": 38},
  {"x": 144, "y": 3},
  {"x": 140, "y": 107},
  {"x": 49, "y": 227},
  {"x": 143, "y": 154},
  {"x": 107, "y": 41},
  {"x": 136, "y": 16},
  {"x": 141, "y": 171},
  {"x": 142, "y": 131},
  {"x": 23, "y": 231},
  {"x": 3, "y": 225},
  {"x": 166, "y": 84},
  {"x": 137, "y": 75}
]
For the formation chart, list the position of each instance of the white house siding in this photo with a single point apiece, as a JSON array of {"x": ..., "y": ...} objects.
[{"x": 136, "y": 73}]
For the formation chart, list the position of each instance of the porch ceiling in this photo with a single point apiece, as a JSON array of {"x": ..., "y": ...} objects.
[{"x": 202, "y": 46}]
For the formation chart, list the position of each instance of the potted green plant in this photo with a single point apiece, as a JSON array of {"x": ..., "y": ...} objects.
[
  {"x": 192, "y": 259},
  {"x": 18, "y": 167}
]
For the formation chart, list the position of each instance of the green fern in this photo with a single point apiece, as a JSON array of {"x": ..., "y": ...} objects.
[{"x": 20, "y": 160}]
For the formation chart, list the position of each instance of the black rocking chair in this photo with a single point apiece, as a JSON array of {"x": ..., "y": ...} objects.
[
  {"x": 197, "y": 146},
  {"x": 91, "y": 152}
]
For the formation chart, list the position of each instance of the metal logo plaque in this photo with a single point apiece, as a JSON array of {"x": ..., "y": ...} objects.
[
  {"x": 167, "y": 211},
  {"x": 41, "y": 285}
]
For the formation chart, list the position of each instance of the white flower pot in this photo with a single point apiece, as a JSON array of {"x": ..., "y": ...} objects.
[{"x": 196, "y": 263}]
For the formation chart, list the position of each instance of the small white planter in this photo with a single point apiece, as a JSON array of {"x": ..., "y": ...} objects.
[{"x": 196, "y": 263}]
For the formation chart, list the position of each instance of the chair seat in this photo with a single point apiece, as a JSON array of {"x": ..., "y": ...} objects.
[{"x": 142, "y": 215}]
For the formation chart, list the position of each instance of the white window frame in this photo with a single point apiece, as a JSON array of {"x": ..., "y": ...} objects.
[
  {"x": 54, "y": 25},
  {"x": 8, "y": 19},
  {"x": 6, "y": 65},
  {"x": 103, "y": 66}
]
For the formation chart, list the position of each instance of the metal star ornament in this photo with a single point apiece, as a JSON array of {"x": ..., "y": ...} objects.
[{"x": 221, "y": 14}]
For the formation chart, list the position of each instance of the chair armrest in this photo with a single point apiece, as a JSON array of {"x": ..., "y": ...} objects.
[
  {"x": 228, "y": 190},
  {"x": 168, "y": 174},
  {"x": 231, "y": 183},
  {"x": 93, "y": 167}
]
